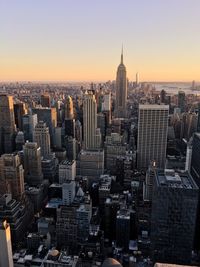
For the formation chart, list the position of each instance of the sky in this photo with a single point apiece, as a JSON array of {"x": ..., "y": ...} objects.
[{"x": 81, "y": 40}]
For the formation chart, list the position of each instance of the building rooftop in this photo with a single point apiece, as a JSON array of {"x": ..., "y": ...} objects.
[{"x": 170, "y": 178}]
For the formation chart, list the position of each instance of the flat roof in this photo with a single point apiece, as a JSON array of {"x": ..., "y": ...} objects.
[
  {"x": 153, "y": 106},
  {"x": 170, "y": 178}
]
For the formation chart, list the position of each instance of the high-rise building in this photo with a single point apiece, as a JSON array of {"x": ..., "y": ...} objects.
[
  {"x": 6, "y": 257},
  {"x": 49, "y": 116},
  {"x": 7, "y": 124},
  {"x": 195, "y": 172},
  {"x": 11, "y": 175},
  {"x": 90, "y": 164},
  {"x": 67, "y": 171},
  {"x": 19, "y": 111},
  {"x": 68, "y": 192},
  {"x": 181, "y": 100},
  {"x": 19, "y": 141},
  {"x": 42, "y": 138},
  {"x": 70, "y": 127},
  {"x": 69, "y": 110},
  {"x": 29, "y": 122},
  {"x": 70, "y": 145},
  {"x": 123, "y": 229},
  {"x": 152, "y": 135},
  {"x": 32, "y": 163},
  {"x": 45, "y": 100},
  {"x": 90, "y": 120},
  {"x": 121, "y": 90},
  {"x": 174, "y": 209}
]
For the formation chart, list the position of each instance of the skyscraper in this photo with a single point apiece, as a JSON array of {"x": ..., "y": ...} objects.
[
  {"x": 6, "y": 258},
  {"x": 181, "y": 100},
  {"x": 69, "y": 111},
  {"x": 29, "y": 122},
  {"x": 45, "y": 100},
  {"x": 19, "y": 111},
  {"x": 90, "y": 120},
  {"x": 32, "y": 163},
  {"x": 7, "y": 124},
  {"x": 11, "y": 175},
  {"x": 152, "y": 135},
  {"x": 121, "y": 90},
  {"x": 195, "y": 172},
  {"x": 174, "y": 209},
  {"x": 42, "y": 138}
]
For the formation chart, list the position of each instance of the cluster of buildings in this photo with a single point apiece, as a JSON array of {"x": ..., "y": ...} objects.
[{"x": 106, "y": 176}]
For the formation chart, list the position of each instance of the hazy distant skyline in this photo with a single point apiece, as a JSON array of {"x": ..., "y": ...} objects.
[{"x": 80, "y": 40}]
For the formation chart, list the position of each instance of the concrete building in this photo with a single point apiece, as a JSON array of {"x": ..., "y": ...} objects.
[
  {"x": 195, "y": 172},
  {"x": 68, "y": 192},
  {"x": 19, "y": 112},
  {"x": 67, "y": 171},
  {"x": 6, "y": 257},
  {"x": 49, "y": 116},
  {"x": 90, "y": 135},
  {"x": 45, "y": 100},
  {"x": 7, "y": 124},
  {"x": 11, "y": 175},
  {"x": 90, "y": 164},
  {"x": 152, "y": 135},
  {"x": 113, "y": 148},
  {"x": 18, "y": 214},
  {"x": 181, "y": 100},
  {"x": 42, "y": 138},
  {"x": 121, "y": 90},
  {"x": 174, "y": 208},
  {"x": 29, "y": 122},
  {"x": 123, "y": 229},
  {"x": 69, "y": 110},
  {"x": 32, "y": 163}
]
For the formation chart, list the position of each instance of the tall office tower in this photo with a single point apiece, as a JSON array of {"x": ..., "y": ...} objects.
[
  {"x": 11, "y": 175},
  {"x": 106, "y": 107},
  {"x": 78, "y": 131},
  {"x": 19, "y": 112},
  {"x": 29, "y": 122},
  {"x": 173, "y": 218},
  {"x": 89, "y": 120},
  {"x": 90, "y": 164},
  {"x": 70, "y": 127},
  {"x": 163, "y": 96},
  {"x": 42, "y": 138},
  {"x": 123, "y": 229},
  {"x": 32, "y": 164},
  {"x": 68, "y": 192},
  {"x": 181, "y": 100},
  {"x": 19, "y": 141},
  {"x": 49, "y": 116},
  {"x": 121, "y": 90},
  {"x": 198, "y": 120},
  {"x": 137, "y": 79},
  {"x": 101, "y": 124},
  {"x": 45, "y": 100},
  {"x": 7, "y": 124},
  {"x": 69, "y": 109},
  {"x": 6, "y": 257},
  {"x": 152, "y": 135},
  {"x": 67, "y": 171},
  {"x": 148, "y": 186},
  {"x": 195, "y": 172},
  {"x": 70, "y": 145}
]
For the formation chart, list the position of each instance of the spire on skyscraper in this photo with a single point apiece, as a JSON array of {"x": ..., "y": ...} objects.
[{"x": 122, "y": 55}]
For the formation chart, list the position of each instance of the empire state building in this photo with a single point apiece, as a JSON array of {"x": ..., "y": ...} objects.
[{"x": 121, "y": 90}]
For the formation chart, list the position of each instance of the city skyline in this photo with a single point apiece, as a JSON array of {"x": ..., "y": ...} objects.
[{"x": 81, "y": 40}]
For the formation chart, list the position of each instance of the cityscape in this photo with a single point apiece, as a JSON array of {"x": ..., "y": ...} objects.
[{"x": 97, "y": 172}]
